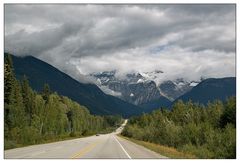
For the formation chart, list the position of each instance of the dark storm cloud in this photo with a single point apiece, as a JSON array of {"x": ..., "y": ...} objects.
[
  {"x": 37, "y": 42},
  {"x": 73, "y": 37}
]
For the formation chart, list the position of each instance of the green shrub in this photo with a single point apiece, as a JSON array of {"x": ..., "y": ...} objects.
[{"x": 205, "y": 131}]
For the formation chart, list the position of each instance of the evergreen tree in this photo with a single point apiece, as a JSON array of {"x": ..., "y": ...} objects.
[
  {"x": 16, "y": 107},
  {"x": 9, "y": 92},
  {"x": 229, "y": 113},
  {"x": 28, "y": 99},
  {"x": 46, "y": 92},
  {"x": 9, "y": 79}
]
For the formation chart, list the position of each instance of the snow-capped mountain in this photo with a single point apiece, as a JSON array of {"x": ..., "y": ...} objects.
[
  {"x": 174, "y": 89},
  {"x": 134, "y": 88},
  {"x": 141, "y": 87}
]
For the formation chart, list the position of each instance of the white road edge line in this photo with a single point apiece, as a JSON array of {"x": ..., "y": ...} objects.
[{"x": 122, "y": 148}]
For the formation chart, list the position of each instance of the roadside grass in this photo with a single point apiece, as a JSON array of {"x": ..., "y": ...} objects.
[{"x": 163, "y": 150}]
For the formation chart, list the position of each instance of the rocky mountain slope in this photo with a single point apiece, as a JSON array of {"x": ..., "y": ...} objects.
[{"x": 141, "y": 88}]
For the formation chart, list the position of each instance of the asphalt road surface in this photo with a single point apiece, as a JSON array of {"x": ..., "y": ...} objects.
[{"x": 102, "y": 146}]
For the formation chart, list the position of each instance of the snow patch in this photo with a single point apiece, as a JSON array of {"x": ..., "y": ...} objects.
[
  {"x": 140, "y": 81},
  {"x": 181, "y": 84},
  {"x": 109, "y": 91},
  {"x": 193, "y": 84},
  {"x": 145, "y": 75},
  {"x": 99, "y": 81}
]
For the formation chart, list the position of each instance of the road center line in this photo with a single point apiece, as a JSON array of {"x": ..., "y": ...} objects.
[
  {"x": 85, "y": 150},
  {"x": 122, "y": 148}
]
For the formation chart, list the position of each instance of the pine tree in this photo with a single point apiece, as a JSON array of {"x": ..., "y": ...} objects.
[
  {"x": 16, "y": 107},
  {"x": 28, "y": 99},
  {"x": 9, "y": 79},
  {"x": 46, "y": 92},
  {"x": 229, "y": 114},
  {"x": 9, "y": 84}
]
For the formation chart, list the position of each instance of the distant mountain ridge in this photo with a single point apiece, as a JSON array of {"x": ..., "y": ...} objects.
[
  {"x": 142, "y": 88},
  {"x": 174, "y": 89},
  {"x": 211, "y": 89},
  {"x": 134, "y": 88},
  {"x": 89, "y": 95}
]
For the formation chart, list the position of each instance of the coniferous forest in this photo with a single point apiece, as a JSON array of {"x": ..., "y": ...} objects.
[
  {"x": 204, "y": 131},
  {"x": 31, "y": 117}
]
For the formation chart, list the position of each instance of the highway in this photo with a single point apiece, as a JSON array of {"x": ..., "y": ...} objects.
[{"x": 102, "y": 146}]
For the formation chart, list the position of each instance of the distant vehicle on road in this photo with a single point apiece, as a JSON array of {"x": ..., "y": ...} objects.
[{"x": 97, "y": 134}]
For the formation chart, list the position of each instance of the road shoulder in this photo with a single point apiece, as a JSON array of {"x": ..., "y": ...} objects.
[
  {"x": 138, "y": 151},
  {"x": 164, "y": 151}
]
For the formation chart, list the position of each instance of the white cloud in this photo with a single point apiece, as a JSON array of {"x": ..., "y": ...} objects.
[
  {"x": 174, "y": 62},
  {"x": 189, "y": 41}
]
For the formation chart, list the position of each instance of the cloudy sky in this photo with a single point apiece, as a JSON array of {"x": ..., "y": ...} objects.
[{"x": 183, "y": 41}]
